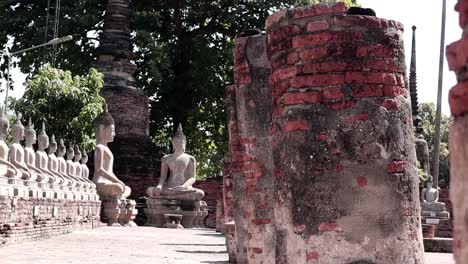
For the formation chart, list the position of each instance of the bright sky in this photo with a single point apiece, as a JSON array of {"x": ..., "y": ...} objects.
[{"x": 426, "y": 15}]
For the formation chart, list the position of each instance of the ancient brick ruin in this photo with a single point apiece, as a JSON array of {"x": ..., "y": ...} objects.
[
  {"x": 322, "y": 165},
  {"x": 137, "y": 160},
  {"x": 457, "y": 56}
]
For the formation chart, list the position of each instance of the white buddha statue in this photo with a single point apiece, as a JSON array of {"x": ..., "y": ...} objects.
[
  {"x": 85, "y": 170},
  {"x": 70, "y": 167},
  {"x": 16, "y": 152},
  {"x": 53, "y": 163},
  {"x": 107, "y": 183},
  {"x": 30, "y": 155},
  {"x": 178, "y": 173},
  {"x": 430, "y": 204},
  {"x": 79, "y": 169},
  {"x": 42, "y": 159},
  {"x": 7, "y": 169}
]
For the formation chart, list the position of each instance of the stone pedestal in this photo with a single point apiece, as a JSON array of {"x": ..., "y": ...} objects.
[
  {"x": 5, "y": 188},
  {"x": 128, "y": 214},
  {"x": 173, "y": 221},
  {"x": 110, "y": 211},
  {"x": 19, "y": 188},
  {"x": 158, "y": 207}
]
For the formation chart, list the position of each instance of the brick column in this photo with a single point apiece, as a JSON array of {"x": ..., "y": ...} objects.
[
  {"x": 457, "y": 56},
  {"x": 345, "y": 165}
]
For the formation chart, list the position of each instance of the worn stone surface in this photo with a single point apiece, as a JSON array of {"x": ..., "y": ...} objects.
[
  {"x": 339, "y": 142},
  {"x": 457, "y": 55}
]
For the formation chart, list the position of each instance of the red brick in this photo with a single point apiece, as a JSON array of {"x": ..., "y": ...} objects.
[
  {"x": 359, "y": 21},
  {"x": 328, "y": 226},
  {"x": 457, "y": 54},
  {"x": 275, "y": 18},
  {"x": 312, "y": 97},
  {"x": 368, "y": 91},
  {"x": 293, "y": 126},
  {"x": 283, "y": 33},
  {"x": 317, "y": 25},
  {"x": 371, "y": 78},
  {"x": 324, "y": 67},
  {"x": 390, "y": 104},
  {"x": 378, "y": 50},
  {"x": 312, "y": 255},
  {"x": 321, "y": 137},
  {"x": 317, "y": 80},
  {"x": 358, "y": 117},
  {"x": 285, "y": 73},
  {"x": 361, "y": 181},
  {"x": 313, "y": 54},
  {"x": 458, "y": 98},
  {"x": 333, "y": 94},
  {"x": 326, "y": 38},
  {"x": 341, "y": 105},
  {"x": 257, "y": 250},
  {"x": 261, "y": 221},
  {"x": 394, "y": 91},
  {"x": 292, "y": 58},
  {"x": 396, "y": 166},
  {"x": 281, "y": 87},
  {"x": 382, "y": 65},
  {"x": 315, "y": 10},
  {"x": 462, "y": 8}
]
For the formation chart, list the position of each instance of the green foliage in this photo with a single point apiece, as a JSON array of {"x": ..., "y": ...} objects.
[
  {"x": 427, "y": 112},
  {"x": 66, "y": 104}
]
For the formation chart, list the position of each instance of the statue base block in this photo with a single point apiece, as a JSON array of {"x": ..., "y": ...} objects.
[
  {"x": 110, "y": 211},
  {"x": 192, "y": 214}
]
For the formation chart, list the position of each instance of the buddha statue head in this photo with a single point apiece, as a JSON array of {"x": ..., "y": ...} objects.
[
  {"x": 61, "y": 149},
  {"x": 84, "y": 159},
  {"x": 53, "y": 145},
  {"x": 30, "y": 133},
  {"x": 104, "y": 127},
  {"x": 77, "y": 153},
  {"x": 70, "y": 152},
  {"x": 4, "y": 124},
  {"x": 429, "y": 182},
  {"x": 179, "y": 140},
  {"x": 17, "y": 129},
  {"x": 43, "y": 139}
]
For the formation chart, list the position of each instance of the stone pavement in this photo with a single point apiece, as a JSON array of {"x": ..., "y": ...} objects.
[{"x": 140, "y": 245}]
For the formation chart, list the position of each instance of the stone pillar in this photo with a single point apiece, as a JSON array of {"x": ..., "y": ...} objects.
[
  {"x": 457, "y": 56},
  {"x": 137, "y": 160},
  {"x": 344, "y": 157},
  {"x": 254, "y": 108}
]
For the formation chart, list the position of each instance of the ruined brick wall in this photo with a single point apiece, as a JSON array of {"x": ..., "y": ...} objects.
[
  {"x": 327, "y": 163},
  {"x": 457, "y": 56},
  {"x": 212, "y": 188},
  {"x": 25, "y": 219},
  {"x": 445, "y": 227}
]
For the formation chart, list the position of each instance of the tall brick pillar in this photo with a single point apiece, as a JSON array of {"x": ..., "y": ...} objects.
[
  {"x": 136, "y": 158},
  {"x": 347, "y": 185},
  {"x": 457, "y": 56}
]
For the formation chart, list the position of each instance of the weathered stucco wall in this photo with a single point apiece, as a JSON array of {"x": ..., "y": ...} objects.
[
  {"x": 327, "y": 162},
  {"x": 457, "y": 56}
]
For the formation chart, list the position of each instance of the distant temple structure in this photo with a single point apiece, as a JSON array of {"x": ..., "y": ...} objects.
[{"x": 137, "y": 159}]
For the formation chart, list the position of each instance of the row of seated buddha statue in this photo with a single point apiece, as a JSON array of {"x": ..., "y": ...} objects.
[
  {"x": 117, "y": 210},
  {"x": 25, "y": 172}
]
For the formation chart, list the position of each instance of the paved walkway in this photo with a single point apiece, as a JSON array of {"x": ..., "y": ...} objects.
[{"x": 141, "y": 245}]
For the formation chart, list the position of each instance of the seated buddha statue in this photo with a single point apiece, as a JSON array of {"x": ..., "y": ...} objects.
[
  {"x": 6, "y": 168},
  {"x": 79, "y": 169},
  {"x": 107, "y": 183},
  {"x": 71, "y": 169},
  {"x": 42, "y": 159},
  {"x": 178, "y": 173},
  {"x": 16, "y": 153},
  {"x": 30, "y": 155},
  {"x": 53, "y": 163},
  {"x": 430, "y": 204},
  {"x": 62, "y": 164}
]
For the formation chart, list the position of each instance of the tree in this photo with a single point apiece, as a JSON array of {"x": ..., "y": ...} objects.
[
  {"x": 66, "y": 104},
  {"x": 184, "y": 57},
  {"x": 427, "y": 112},
  {"x": 310, "y": 2}
]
